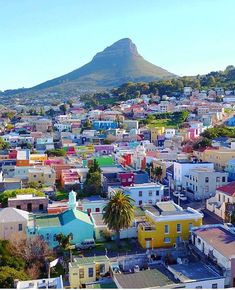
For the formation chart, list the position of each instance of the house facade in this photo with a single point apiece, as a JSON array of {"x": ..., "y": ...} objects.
[{"x": 167, "y": 224}]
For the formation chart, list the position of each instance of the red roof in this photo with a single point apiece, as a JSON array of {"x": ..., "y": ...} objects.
[{"x": 229, "y": 189}]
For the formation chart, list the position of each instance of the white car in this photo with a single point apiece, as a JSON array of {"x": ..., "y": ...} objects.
[{"x": 86, "y": 244}]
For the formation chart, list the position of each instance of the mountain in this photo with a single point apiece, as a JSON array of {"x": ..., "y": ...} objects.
[{"x": 115, "y": 65}]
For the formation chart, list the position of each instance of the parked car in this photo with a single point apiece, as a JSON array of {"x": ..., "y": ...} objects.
[{"x": 86, "y": 244}]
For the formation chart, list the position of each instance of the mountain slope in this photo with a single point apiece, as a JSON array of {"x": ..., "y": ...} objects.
[{"x": 117, "y": 64}]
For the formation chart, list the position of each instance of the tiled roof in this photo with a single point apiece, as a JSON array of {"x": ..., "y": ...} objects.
[{"x": 229, "y": 189}]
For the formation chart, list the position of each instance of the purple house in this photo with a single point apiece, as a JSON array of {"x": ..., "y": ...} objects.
[{"x": 104, "y": 149}]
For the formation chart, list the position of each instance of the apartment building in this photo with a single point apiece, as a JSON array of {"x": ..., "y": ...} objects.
[{"x": 201, "y": 183}]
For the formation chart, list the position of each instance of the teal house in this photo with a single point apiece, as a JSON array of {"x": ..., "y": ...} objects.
[{"x": 72, "y": 221}]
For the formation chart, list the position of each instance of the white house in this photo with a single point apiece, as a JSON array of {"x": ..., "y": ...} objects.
[
  {"x": 169, "y": 133},
  {"x": 145, "y": 193},
  {"x": 218, "y": 243},
  {"x": 182, "y": 168}
]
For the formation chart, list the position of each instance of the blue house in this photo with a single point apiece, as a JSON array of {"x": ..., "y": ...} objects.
[
  {"x": 231, "y": 121},
  {"x": 104, "y": 125},
  {"x": 231, "y": 170},
  {"x": 72, "y": 221}
]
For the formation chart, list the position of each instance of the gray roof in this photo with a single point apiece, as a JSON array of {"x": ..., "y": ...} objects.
[
  {"x": 146, "y": 279},
  {"x": 11, "y": 214},
  {"x": 193, "y": 271}
]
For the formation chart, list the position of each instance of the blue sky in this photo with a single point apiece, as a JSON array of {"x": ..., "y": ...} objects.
[{"x": 43, "y": 39}]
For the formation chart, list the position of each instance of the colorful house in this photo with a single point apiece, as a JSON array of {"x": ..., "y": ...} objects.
[
  {"x": 167, "y": 224},
  {"x": 72, "y": 221},
  {"x": 87, "y": 270},
  {"x": 104, "y": 125}
]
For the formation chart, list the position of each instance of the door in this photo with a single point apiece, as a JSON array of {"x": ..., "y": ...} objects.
[{"x": 29, "y": 207}]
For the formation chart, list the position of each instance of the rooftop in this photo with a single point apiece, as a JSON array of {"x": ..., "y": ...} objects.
[
  {"x": 50, "y": 283},
  {"x": 193, "y": 271},
  {"x": 145, "y": 279},
  {"x": 88, "y": 260},
  {"x": 150, "y": 184},
  {"x": 228, "y": 189},
  {"x": 219, "y": 238}
]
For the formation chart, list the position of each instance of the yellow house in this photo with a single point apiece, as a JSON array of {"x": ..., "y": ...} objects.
[
  {"x": 219, "y": 157},
  {"x": 155, "y": 132},
  {"x": 38, "y": 158},
  {"x": 87, "y": 270},
  {"x": 42, "y": 175},
  {"x": 167, "y": 224}
]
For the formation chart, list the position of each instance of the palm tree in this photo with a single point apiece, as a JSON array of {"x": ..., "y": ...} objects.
[
  {"x": 157, "y": 172},
  {"x": 119, "y": 213}
]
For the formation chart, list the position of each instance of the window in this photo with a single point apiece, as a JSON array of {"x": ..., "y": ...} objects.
[
  {"x": 150, "y": 193},
  {"x": 20, "y": 227},
  {"x": 178, "y": 228},
  {"x": 88, "y": 210},
  {"x": 166, "y": 229},
  {"x": 90, "y": 272},
  {"x": 207, "y": 179},
  {"x": 157, "y": 192},
  {"x": 18, "y": 206},
  {"x": 102, "y": 268},
  {"x": 207, "y": 188},
  {"x": 140, "y": 202},
  {"x": 217, "y": 179},
  {"x": 167, "y": 240},
  {"x": 140, "y": 193},
  {"x": 97, "y": 209},
  {"x": 214, "y": 286},
  {"x": 223, "y": 179},
  {"x": 198, "y": 287},
  {"x": 81, "y": 273},
  {"x": 150, "y": 201},
  {"x": 199, "y": 241}
]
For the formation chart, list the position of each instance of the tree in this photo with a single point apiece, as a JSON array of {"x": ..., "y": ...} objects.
[
  {"x": 32, "y": 249},
  {"x": 87, "y": 125},
  {"x": 202, "y": 143},
  {"x": 12, "y": 193},
  {"x": 64, "y": 240},
  {"x": 56, "y": 152},
  {"x": 119, "y": 213},
  {"x": 3, "y": 145},
  {"x": 157, "y": 172},
  {"x": 93, "y": 182},
  {"x": 63, "y": 108},
  {"x": 8, "y": 275}
]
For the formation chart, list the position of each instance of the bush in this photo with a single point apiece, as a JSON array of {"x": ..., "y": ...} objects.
[
  {"x": 13, "y": 193},
  {"x": 56, "y": 152}
]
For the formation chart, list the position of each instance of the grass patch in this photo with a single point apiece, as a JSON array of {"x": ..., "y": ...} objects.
[
  {"x": 167, "y": 123},
  {"x": 125, "y": 245},
  {"x": 61, "y": 195}
]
